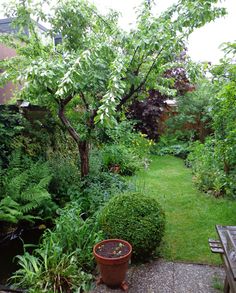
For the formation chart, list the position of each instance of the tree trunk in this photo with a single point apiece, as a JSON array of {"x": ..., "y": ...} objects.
[
  {"x": 84, "y": 158},
  {"x": 83, "y": 146},
  {"x": 226, "y": 167}
]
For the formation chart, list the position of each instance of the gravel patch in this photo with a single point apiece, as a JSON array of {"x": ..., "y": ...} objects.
[{"x": 169, "y": 277}]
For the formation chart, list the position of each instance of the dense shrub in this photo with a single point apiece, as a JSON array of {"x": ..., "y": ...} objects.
[
  {"x": 120, "y": 159},
  {"x": 11, "y": 125},
  {"x": 31, "y": 131},
  {"x": 98, "y": 189},
  {"x": 169, "y": 144},
  {"x": 208, "y": 169},
  {"x": 136, "y": 218},
  {"x": 64, "y": 259},
  {"x": 178, "y": 150},
  {"x": 65, "y": 184},
  {"x": 125, "y": 135},
  {"x": 193, "y": 120}
]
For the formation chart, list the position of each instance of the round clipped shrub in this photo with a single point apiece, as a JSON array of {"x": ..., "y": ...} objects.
[{"x": 135, "y": 218}]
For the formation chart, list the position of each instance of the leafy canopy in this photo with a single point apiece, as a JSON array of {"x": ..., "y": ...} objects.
[
  {"x": 98, "y": 68},
  {"x": 97, "y": 63}
]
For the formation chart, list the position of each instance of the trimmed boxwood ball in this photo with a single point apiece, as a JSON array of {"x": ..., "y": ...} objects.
[{"x": 137, "y": 218}]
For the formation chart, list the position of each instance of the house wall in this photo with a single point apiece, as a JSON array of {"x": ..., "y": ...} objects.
[{"x": 6, "y": 92}]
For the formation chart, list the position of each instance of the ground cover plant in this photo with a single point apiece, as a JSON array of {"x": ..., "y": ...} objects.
[{"x": 191, "y": 215}]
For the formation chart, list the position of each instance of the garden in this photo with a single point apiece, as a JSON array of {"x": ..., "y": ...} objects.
[{"x": 98, "y": 153}]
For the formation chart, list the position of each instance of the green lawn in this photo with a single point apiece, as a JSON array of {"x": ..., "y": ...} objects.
[{"x": 191, "y": 215}]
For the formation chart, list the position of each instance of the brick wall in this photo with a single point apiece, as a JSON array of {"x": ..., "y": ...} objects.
[{"x": 6, "y": 92}]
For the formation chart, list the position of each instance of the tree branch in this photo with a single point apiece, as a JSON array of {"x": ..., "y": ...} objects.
[
  {"x": 149, "y": 71},
  {"x": 50, "y": 91},
  {"x": 53, "y": 94},
  {"x": 135, "y": 51},
  {"x": 138, "y": 68},
  {"x": 65, "y": 101},
  {"x": 65, "y": 121},
  {"x": 133, "y": 90},
  {"x": 84, "y": 100}
]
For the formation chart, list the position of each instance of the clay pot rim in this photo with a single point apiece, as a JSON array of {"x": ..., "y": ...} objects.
[{"x": 112, "y": 240}]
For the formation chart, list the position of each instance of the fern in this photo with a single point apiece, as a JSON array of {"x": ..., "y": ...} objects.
[
  {"x": 12, "y": 212},
  {"x": 25, "y": 192}
]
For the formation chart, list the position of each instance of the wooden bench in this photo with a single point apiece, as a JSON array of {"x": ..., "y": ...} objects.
[{"x": 226, "y": 247}]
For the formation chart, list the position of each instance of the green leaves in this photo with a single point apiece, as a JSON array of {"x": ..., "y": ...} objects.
[
  {"x": 24, "y": 192},
  {"x": 214, "y": 162},
  {"x": 116, "y": 89},
  {"x": 98, "y": 68}
]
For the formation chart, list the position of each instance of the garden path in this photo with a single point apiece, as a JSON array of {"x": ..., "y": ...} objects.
[
  {"x": 171, "y": 277},
  {"x": 191, "y": 217}
]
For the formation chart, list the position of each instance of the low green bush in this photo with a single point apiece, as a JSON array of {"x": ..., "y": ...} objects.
[
  {"x": 124, "y": 134},
  {"x": 179, "y": 150},
  {"x": 136, "y": 218}
]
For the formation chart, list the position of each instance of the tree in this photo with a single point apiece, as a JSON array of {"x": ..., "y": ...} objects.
[
  {"x": 193, "y": 118},
  {"x": 214, "y": 161},
  {"x": 224, "y": 108},
  {"x": 148, "y": 113},
  {"x": 98, "y": 68}
]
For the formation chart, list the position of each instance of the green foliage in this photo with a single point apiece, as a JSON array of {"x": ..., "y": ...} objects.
[
  {"x": 24, "y": 194},
  {"x": 193, "y": 116},
  {"x": 124, "y": 150},
  {"x": 178, "y": 150},
  {"x": 32, "y": 132},
  {"x": 118, "y": 158},
  {"x": 214, "y": 162},
  {"x": 99, "y": 68},
  {"x": 65, "y": 184},
  {"x": 224, "y": 108},
  {"x": 136, "y": 218},
  {"x": 171, "y": 145},
  {"x": 123, "y": 134},
  {"x": 39, "y": 275},
  {"x": 208, "y": 169},
  {"x": 11, "y": 125},
  {"x": 98, "y": 189},
  {"x": 217, "y": 283},
  {"x": 64, "y": 258}
]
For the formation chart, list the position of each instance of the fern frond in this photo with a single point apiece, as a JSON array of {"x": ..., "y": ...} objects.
[{"x": 35, "y": 194}]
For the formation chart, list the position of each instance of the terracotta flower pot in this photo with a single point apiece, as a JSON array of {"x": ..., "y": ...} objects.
[{"x": 113, "y": 268}]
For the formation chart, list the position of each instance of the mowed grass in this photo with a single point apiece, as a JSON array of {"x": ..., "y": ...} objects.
[{"x": 191, "y": 215}]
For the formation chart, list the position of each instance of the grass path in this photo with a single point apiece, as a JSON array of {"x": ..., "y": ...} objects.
[{"x": 191, "y": 215}]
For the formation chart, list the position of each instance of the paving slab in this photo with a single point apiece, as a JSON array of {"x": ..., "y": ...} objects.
[{"x": 169, "y": 277}]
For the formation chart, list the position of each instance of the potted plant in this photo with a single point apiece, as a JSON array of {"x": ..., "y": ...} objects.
[{"x": 113, "y": 257}]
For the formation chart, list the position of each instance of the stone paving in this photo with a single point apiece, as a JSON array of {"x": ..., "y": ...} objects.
[{"x": 169, "y": 277}]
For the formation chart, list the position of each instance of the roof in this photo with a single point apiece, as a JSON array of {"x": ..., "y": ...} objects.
[{"x": 6, "y": 27}]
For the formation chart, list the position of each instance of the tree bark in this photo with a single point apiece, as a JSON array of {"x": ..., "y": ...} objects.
[
  {"x": 84, "y": 158},
  {"x": 83, "y": 146}
]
